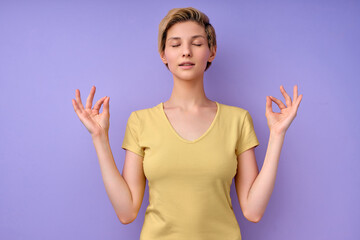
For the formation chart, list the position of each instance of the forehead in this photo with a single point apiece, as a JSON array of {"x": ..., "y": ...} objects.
[{"x": 187, "y": 29}]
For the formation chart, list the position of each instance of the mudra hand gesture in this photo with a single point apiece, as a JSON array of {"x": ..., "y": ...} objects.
[
  {"x": 94, "y": 122},
  {"x": 280, "y": 122}
]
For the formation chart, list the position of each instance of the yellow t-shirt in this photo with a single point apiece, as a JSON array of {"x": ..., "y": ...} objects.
[{"x": 189, "y": 181}]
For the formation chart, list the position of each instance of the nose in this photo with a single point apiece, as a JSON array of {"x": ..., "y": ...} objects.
[{"x": 186, "y": 50}]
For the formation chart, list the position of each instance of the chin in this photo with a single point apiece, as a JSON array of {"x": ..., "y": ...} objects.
[{"x": 188, "y": 77}]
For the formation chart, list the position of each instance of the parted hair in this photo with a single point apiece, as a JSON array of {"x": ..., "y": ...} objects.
[{"x": 177, "y": 15}]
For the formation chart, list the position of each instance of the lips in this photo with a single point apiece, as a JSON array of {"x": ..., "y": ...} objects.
[{"x": 186, "y": 64}]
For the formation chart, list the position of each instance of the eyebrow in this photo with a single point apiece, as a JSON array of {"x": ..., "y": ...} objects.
[{"x": 195, "y": 36}]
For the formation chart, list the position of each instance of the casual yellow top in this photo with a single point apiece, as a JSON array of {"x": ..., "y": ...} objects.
[{"x": 189, "y": 181}]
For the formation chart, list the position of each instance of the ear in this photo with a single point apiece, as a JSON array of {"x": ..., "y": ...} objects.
[
  {"x": 212, "y": 54},
  {"x": 163, "y": 58}
]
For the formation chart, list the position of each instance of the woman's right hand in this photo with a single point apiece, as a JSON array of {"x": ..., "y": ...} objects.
[{"x": 94, "y": 122}]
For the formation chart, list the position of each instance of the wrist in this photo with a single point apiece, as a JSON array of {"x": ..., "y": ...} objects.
[
  {"x": 100, "y": 135},
  {"x": 274, "y": 133}
]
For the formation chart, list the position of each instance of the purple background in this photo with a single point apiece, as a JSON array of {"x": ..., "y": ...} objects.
[{"x": 50, "y": 181}]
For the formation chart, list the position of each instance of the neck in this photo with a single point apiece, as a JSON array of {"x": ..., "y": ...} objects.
[{"x": 188, "y": 94}]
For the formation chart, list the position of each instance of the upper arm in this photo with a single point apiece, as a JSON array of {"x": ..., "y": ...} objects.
[
  {"x": 133, "y": 174},
  {"x": 247, "y": 171}
]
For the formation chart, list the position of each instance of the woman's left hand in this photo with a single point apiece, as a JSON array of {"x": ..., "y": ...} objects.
[{"x": 280, "y": 122}]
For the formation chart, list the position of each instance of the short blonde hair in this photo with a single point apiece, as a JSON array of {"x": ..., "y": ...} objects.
[{"x": 177, "y": 15}]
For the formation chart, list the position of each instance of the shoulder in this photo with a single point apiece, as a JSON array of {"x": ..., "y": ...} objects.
[
  {"x": 233, "y": 111},
  {"x": 146, "y": 113}
]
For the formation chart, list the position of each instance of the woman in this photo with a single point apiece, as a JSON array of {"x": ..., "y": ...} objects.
[{"x": 189, "y": 148}]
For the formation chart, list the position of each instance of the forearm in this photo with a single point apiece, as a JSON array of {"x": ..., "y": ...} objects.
[
  {"x": 262, "y": 188},
  {"x": 116, "y": 187}
]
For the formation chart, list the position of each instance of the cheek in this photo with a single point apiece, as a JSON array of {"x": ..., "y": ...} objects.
[
  {"x": 171, "y": 59},
  {"x": 205, "y": 57},
  {"x": 170, "y": 56}
]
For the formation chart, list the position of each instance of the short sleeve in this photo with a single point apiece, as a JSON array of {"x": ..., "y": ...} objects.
[
  {"x": 131, "y": 137},
  {"x": 247, "y": 137}
]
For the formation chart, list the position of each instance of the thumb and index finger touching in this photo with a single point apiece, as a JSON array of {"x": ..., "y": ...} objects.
[
  {"x": 296, "y": 100},
  {"x": 104, "y": 100},
  {"x": 78, "y": 106}
]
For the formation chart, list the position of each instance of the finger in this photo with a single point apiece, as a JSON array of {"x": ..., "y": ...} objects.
[
  {"x": 76, "y": 107},
  {"x": 298, "y": 101},
  {"x": 286, "y": 96},
  {"x": 295, "y": 94},
  {"x": 280, "y": 104},
  {"x": 106, "y": 105},
  {"x": 98, "y": 104},
  {"x": 268, "y": 105},
  {"x": 90, "y": 98},
  {"x": 78, "y": 99}
]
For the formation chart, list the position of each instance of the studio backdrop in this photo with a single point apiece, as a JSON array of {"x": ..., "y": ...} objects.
[{"x": 50, "y": 180}]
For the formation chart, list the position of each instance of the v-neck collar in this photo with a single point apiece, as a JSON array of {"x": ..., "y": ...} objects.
[{"x": 161, "y": 106}]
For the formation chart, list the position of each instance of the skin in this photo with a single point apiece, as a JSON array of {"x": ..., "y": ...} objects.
[
  {"x": 188, "y": 109},
  {"x": 188, "y": 92},
  {"x": 254, "y": 189}
]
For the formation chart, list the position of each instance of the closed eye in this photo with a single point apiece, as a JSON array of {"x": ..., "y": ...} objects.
[{"x": 193, "y": 44}]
